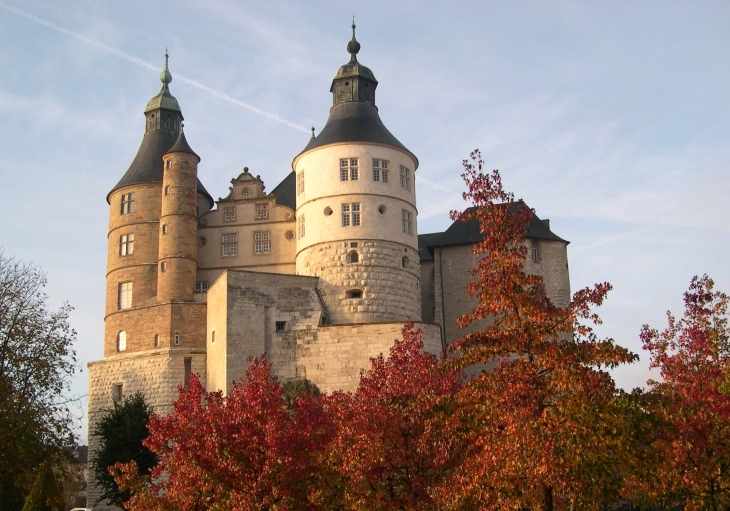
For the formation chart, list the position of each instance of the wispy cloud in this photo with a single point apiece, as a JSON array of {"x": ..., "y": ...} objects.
[
  {"x": 131, "y": 58},
  {"x": 611, "y": 239}
]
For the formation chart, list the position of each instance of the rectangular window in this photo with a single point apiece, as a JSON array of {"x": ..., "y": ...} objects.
[
  {"x": 535, "y": 251},
  {"x": 405, "y": 178},
  {"x": 126, "y": 244},
  {"x": 407, "y": 223},
  {"x": 351, "y": 214},
  {"x": 261, "y": 242},
  {"x": 229, "y": 214},
  {"x": 125, "y": 295},
  {"x": 349, "y": 169},
  {"x": 262, "y": 211},
  {"x": 281, "y": 326},
  {"x": 230, "y": 245},
  {"x": 117, "y": 394},
  {"x": 201, "y": 286},
  {"x": 380, "y": 170},
  {"x": 127, "y": 203},
  {"x": 301, "y": 183},
  {"x": 301, "y": 226},
  {"x": 188, "y": 365},
  {"x": 177, "y": 339}
]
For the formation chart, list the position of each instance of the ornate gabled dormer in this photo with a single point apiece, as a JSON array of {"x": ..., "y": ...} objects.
[
  {"x": 353, "y": 82},
  {"x": 245, "y": 186}
]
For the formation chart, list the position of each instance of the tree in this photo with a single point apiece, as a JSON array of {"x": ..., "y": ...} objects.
[
  {"x": 398, "y": 440},
  {"x": 46, "y": 494},
  {"x": 241, "y": 452},
  {"x": 36, "y": 364},
  {"x": 121, "y": 431},
  {"x": 693, "y": 402},
  {"x": 544, "y": 417}
]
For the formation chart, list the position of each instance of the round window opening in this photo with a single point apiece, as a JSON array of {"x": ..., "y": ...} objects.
[
  {"x": 246, "y": 192},
  {"x": 290, "y": 235},
  {"x": 202, "y": 242},
  {"x": 382, "y": 209},
  {"x": 327, "y": 211},
  {"x": 347, "y": 83}
]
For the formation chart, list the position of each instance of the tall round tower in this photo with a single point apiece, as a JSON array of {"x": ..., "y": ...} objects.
[
  {"x": 356, "y": 208},
  {"x": 136, "y": 246}
]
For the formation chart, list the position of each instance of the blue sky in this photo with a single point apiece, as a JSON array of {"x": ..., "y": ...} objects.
[{"x": 609, "y": 118}]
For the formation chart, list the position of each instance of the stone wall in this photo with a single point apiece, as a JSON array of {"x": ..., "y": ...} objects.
[
  {"x": 154, "y": 373},
  {"x": 164, "y": 320},
  {"x": 279, "y": 315},
  {"x": 452, "y": 273},
  {"x": 387, "y": 275}
]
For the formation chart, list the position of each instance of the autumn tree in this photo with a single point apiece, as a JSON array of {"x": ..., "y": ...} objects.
[
  {"x": 692, "y": 402},
  {"x": 36, "y": 363},
  {"x": 120, "y": 432},
  {"x": 240, "y": 452},
  {"x": 398, "y": 439},
  {"x": 544, "y": 416}
]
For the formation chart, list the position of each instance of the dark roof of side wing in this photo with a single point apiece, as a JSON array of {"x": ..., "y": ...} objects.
[
  {"x": 285, "y": 192},
  {"x": 467, "y": 233}
]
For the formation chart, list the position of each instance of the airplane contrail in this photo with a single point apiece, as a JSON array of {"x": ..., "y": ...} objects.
[{"x": 131, "y": 58}]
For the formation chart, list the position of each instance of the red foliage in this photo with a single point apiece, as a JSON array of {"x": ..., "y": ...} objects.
[
  {"x": 398, "y": 441},
  {"x": 693, "y": 355},
  {"x": 243, "y": 452},
  {"x": 544, "y": 414}
]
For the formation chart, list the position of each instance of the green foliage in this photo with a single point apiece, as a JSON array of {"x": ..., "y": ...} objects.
[
  {"x": 120, "y": 432},
  {"x": 294, "y": 389},
  {"x": 36, "y": 364},
  {"x": 46, "y": 494}
]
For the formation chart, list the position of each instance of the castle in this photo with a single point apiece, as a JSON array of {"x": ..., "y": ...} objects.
[{"x": 320, "y": 274}]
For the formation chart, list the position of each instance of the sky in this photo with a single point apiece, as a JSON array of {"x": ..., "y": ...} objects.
[{"x": 608, "y": 118}]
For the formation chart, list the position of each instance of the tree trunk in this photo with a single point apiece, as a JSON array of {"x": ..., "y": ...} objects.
[{"x": 547, "y": 498}]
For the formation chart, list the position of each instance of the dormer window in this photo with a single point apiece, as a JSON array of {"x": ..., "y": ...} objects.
[
  {"x": 262, "y": 211},
  {"x": 246, "y": 192}
]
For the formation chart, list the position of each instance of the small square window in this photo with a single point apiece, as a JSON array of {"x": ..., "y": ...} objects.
[{"x": 281, "y": 326}]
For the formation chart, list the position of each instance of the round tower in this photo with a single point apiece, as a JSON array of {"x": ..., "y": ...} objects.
[
  {"x": 134, "y": 239},
  {"x": 177, "y": 262},
  {"x": 356, "y": 208}
]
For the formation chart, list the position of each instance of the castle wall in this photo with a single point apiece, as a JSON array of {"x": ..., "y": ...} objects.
[
  {"x": 452, "y": 274},
  {"x": 390, "y": 291},
  {"x": 155, "y": 373},
  {"x": 331, "y": 356}
]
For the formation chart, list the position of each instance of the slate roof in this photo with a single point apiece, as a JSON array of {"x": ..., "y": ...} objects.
[
  {"x": 285, "y": 192},
  {"x": 181, "y": 146},
  {"x": 468, "y": 233},
  {"x": 147, "y": 165},
  {"x": 355, "y": 121}
]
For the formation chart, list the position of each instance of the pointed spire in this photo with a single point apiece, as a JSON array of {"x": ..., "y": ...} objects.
[
  {"x": 165, "y": 76},
  {"x": 313, "y": 132},
  {"x": 181, "y": 144},
  {"x": 353, "y": 46}
]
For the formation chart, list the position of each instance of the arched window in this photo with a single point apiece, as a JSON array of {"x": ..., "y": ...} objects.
[
  {"x": 353, "y": 257},
  {"x": 122, "y": 341}
]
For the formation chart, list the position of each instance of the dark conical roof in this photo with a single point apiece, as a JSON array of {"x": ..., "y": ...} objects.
[
  {"x": 181, "y": 145},
  {"x": 355, "y": 121},
  {"x": 354, "y": 116},
  {"x": 163, "y": 119}
]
